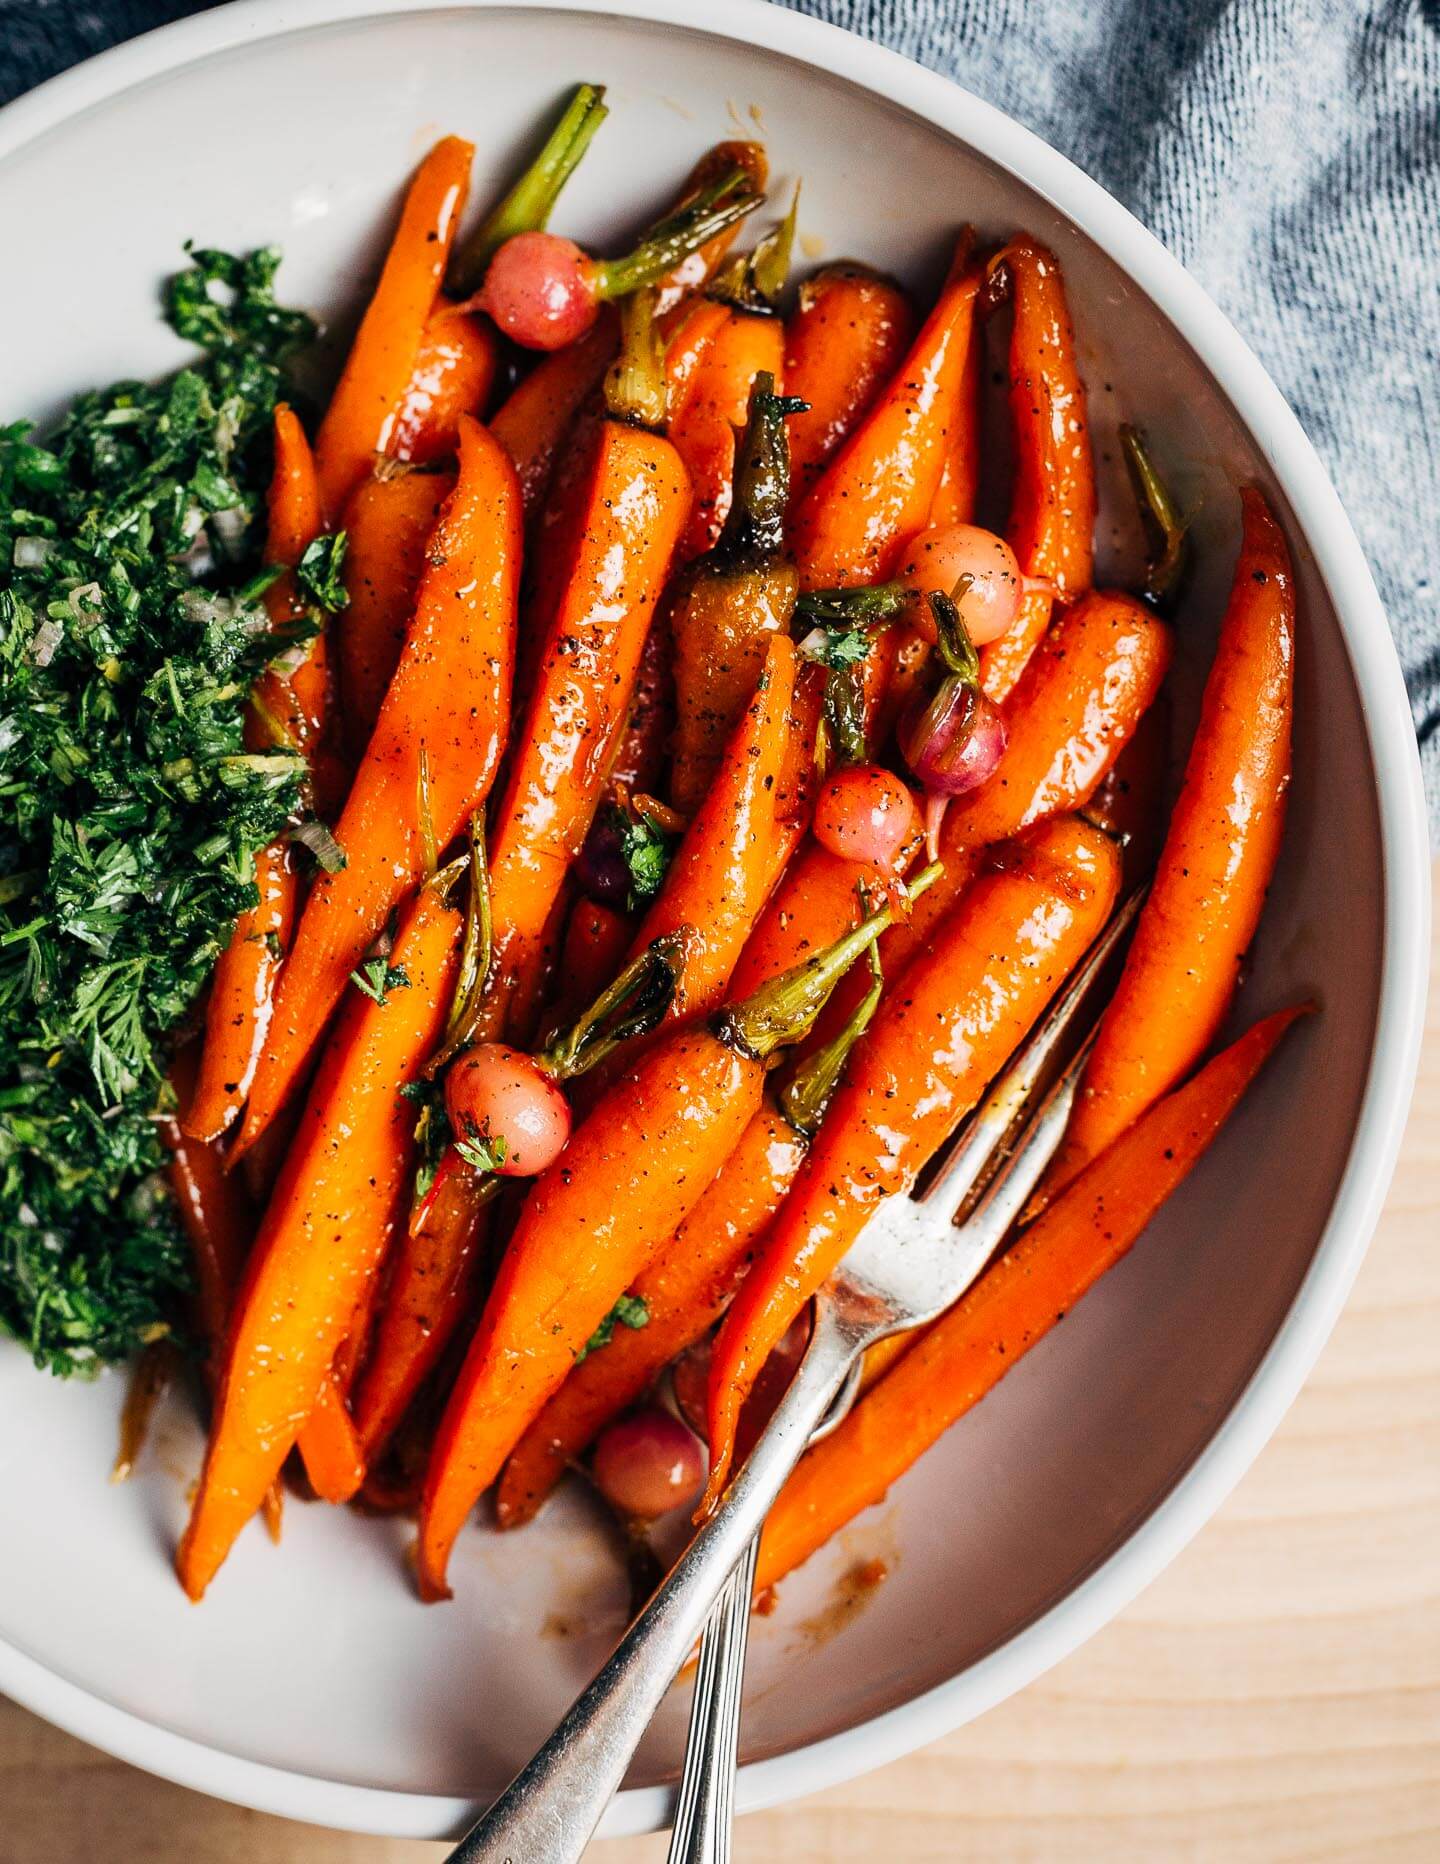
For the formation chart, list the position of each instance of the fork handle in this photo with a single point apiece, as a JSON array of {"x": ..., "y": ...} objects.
[
  {"x": 552, "y": 1806},
  {"x": 705, "y": 1809}
]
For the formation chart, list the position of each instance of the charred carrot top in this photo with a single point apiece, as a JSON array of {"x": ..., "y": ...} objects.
[
  {"x": 877, "y": 491},
  {"x": 454, "y": 372},
  {"x": 714, "y": 166},
  {"x": 323, "y": 1232},
  {"x": 689, "y": 1282},
  {"x": 1052, "y": 508},
  {"x": 1202, "y": 911},
  {"x": 713, "y": 402},
  {"x": 448, "y": 702},
  {"x": 638, "y": 1164},
  {"x": 843, "y": 342},
  {"x": 388, "y": 524},
  {"x": 365, "y": 408},
  {"x": 729, "y": 606},
  {"x": 1088, "y": 1229},
  {"x": 962, "y": 1005},
  {"x": 620, "y": 543},
  {"x": 293, "y": 709}
]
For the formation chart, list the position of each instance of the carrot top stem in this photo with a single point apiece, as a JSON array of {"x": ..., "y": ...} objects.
[
  {"x": 635, "y": 388},
  {"x": 529, "y": 204},
  {"x": 782, "y": 1011},
  {"x": 468, "y": 1001},
  {"x": 754, "y": 530},
  {"x": 844, "y": 609},
  {"x": 804, "y": 1097},
  {"x": 1168, "y": 563},
  {"x": 633, "y": 1005},
  {"x": 694, "y": 223},
  {"x": 957, "y": 650},
  {"x": 755, "y": 280}
]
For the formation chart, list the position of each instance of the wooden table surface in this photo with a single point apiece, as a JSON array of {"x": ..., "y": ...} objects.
[{"x": 1275, "y": 1695}]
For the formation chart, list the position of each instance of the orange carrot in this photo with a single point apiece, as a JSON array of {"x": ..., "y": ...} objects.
[
  {"x": 364, "y": 411},
  {"x": 635, "y": 499},
  {"x": 388, "y": 524},
  {"x": 322, "y": 1234},
  {"x": 448, "y": 701},
  {"x": 684, "y": 1291},
  {"x": 959, "y": 487},
  {"x": 966, "y": 1000},
  {"x": 1203, "y": 909},
  {"x": 454, "y": 372},
  {"x": 294, "y": 708},
  {"x": 843, "y": 342},
  {"x": 597, "y": 939},
  {"x": 877, "y": 491},
  {"x": 1085, "y": 1232},
  {"x": 1052, "y": 507},
  {"x": 330, "y": 1448},
  {"x": 815, "y": 903},
  {"x": 1129, "y": 802},
  {"x": 709, "y": 403},
  {"x": 723, "y": 869},
  {"x": 635, "y": 1167},
  {"x": 533, "y": 421},
  {"x": 643, "y": 745},
  {"x": 687, "y": 1286}
]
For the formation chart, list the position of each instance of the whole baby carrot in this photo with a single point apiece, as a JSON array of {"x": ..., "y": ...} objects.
[
  {"x": 877, "y": 491},
  {"x": 843, "y": 342},
  {"x": 633, "y": 504},
  {"x": 323, "y": 1231},
  {"x": 637, "y": 1165},
  {"x": 1183, "y": 965},
  {"x": 448, "y": 705},
  {"x": 237, "y": 1015},
  {"x": 964, "y": 1003},
  {"x": 1052, "y": 507},
  {"x": 364, "y": 410},
  {"x": 388, "y": 524},
  {"x": 686, "y": 1287},
  {"x": 1085, "y": 1232},
  {"x": 533, "y": 421}
]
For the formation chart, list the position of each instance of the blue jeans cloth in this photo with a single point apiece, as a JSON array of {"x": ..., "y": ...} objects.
[{"x": 1288, "y": 151}]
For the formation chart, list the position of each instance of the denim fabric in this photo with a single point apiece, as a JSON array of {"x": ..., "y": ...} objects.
[{"x": 1288, "y": 151}]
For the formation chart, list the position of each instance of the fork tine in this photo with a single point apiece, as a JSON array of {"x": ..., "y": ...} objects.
[{"x": 980, "y": 1143}]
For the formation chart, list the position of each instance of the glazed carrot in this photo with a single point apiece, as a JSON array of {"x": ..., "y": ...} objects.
[
  {"x": 1202, "y": 911},
  {"x": 877, "y": 491},
  {"x": 1129, "y": 802},
  {"x": 643, "y": 745},
  {"x": 684, "y": 1290},
  {"x": 597, "y": 940},
  {"x": 322, "y": 1234},
  {"x": 330, "y": 1448},
  {"x": 967, "y": 998},
  {"x": 1052, "y": 507},
  {"x": 388, "y": 523},
  {"x": 693, "y": 270},
  {"x": 450, "y": 700},
  {"x": 637, "y": 1166},
  {"x": 635, "y": 499},
  {"x": 219, "y": 1222},
  {"x": 686, "y": 1287},
  {"x": 533, "y": 421},
  {"x": 843, "y": 342},
  {"x": 815, "y": 903},
  {"x": 364, "y": 410},
  {"x": 294, "y": 709},
  {"x": 959, "y": 487},
  {"x": 454, "y": 372},
  {"x": 728, "y": 606},
  {"x": 723, "y": 869},
  {"x": 1085, "y": 1232},
  {"x": 710, "y": 404}
]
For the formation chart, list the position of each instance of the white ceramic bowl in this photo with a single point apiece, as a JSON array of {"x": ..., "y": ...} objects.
[{"x": 311, "y": 1683}]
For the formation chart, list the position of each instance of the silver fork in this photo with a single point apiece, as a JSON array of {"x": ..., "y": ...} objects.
[
  {"x": 705, "y": 1799},
  {"x": 907, "y": 1266}
]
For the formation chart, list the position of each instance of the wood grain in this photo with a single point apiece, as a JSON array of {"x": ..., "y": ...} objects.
[{"x": 1275, "y": 1695}]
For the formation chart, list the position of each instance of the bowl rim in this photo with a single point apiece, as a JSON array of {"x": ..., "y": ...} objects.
[{"x": 1341, "y": 565}]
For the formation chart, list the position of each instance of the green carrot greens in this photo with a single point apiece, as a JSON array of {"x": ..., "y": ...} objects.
[{"x": 131, "y": 630}]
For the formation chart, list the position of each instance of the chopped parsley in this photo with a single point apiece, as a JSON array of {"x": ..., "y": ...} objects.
[
  {"x": 318, "y": 572},
  {"x": 629, "y": 1311},
  {"x": 377, "y": 977},
  {"x": 131, "y": 630},
  {"x": 480, "y": 1151}
]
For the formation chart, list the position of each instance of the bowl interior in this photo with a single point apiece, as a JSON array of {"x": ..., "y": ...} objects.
[{"x": 316, "y": 1658}]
